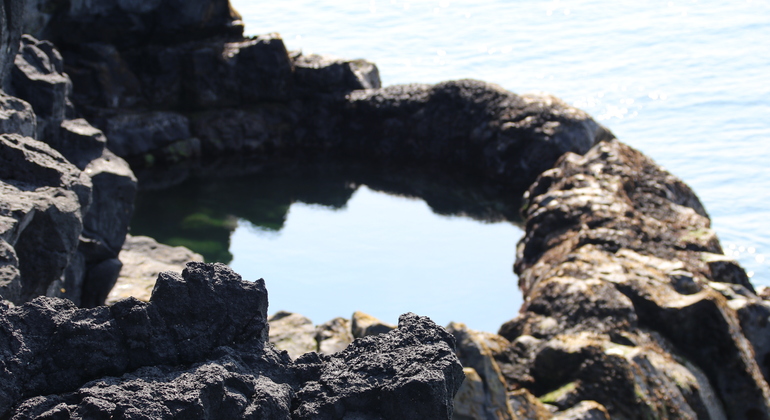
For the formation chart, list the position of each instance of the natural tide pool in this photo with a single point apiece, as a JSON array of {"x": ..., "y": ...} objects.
[
  {"x": 330, "y": 242},
  {"x": 687, "y": 82}
]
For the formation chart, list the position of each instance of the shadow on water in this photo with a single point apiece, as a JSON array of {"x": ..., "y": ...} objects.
[{"x": 199, "y": 207}]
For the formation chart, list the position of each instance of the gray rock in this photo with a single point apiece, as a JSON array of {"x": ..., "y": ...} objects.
[
  {"x": 232, "y": 386},
  {"x": 44, "y": 197},
  {"x": 754, "y": 316},
  {"x": 130, "y": 22},
  {"x": 322, "y": 73},
  {"x": 143, "y": 259},
  {"x": 10, "y": 278},
  {"x": 526, "y": 406},
  {"x": 408, "y": 373},
  {"x": 333, "y": 336},
  {"x": 17, "y": 116},
  {"x": 585, "y": 410},
  {"x": 130, "y": 334},
  {"x": 113, "y": 201},
  {"x": 363, "y": 325},
  {"x": 463, "y": 125},
  {"x": 292, "y": 333},
  {"x": 39, "y": 78},
  {"x": 80, "y": 142},
  {"x": 132, "y": 134},
  {"x": 623, "y": 298},
  {"x": 11, "y": 21},
  {"x": 487, "y": 398}
]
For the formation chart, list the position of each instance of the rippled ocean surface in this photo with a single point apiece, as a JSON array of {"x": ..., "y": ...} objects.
[{"x": 686, "y": 82}]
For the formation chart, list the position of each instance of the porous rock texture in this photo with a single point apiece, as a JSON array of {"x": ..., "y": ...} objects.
[
  {"x": 628, "y": 300},
  {"x": 198, "y": 349}
]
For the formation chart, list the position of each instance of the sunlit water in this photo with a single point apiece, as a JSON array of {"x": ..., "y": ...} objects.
[
  {"x": 686, "y": 82},
  {"x": 386, "y": 256}
]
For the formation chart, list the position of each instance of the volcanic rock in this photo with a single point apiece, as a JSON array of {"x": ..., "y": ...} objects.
[
  {"x": 44, "y": 197},
  {"x": 106, "y": 205},
  {"x": 619, "y": 303},
  {"x": 143, "y": 259},
  {"x": 199, "y": 349}
]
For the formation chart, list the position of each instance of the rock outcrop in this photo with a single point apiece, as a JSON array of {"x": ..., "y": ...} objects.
[
  {"x": 44, "y": 198},
  {"x": 143, "y": 259},
  {"x": 627, "y": 301},
  {"x": 162, "y": 94},
  {"x": 67, "y": 199},
  {"x": 199, "y": 349}
]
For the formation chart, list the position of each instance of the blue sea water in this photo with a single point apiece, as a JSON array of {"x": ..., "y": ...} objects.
[{"x": 687, "y": 82}]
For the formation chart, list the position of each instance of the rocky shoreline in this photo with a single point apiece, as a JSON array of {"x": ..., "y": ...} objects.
[{"x": 631, "y": 309}]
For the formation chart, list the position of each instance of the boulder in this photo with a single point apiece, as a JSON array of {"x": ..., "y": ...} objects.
[
  {"x": 316, "y": 73},
  {"x": 526, "y": 406},
  {"x": 487, "y": 386},
  {"x": 585, "y": 410},
  {"x": 292, "y": 333},
  {"x": 39, "y": 78},
  {"x": 44, "y": 198},
  {"x": 363, "y": 325},
  {"x": 466, "y": 124},
  {"x": 130, "y": 22},
  {"x": 137, "y": 134},
  {"x": 143, "y": 259},
  {"x": 79, "y": 142},
  {"x": 416, "y": 361},
  {"x": 199, "y": 349},
  {"x": 333, "y": 336},
  {"x": 17, "y": 116}
]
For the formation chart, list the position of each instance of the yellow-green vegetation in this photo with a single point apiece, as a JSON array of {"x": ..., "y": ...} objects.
[
  {"x": 698, "y": 234},
  {"x": 554, "y": 396}
]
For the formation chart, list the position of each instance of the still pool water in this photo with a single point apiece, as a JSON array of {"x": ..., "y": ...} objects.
[
  {"x": 329, "y": 242},
  {"x": 685, "y": 81},
  {"x": 384, "y": 255}
]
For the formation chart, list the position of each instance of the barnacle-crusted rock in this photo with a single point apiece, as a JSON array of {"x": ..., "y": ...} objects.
[{"x": 625, "y": 305}]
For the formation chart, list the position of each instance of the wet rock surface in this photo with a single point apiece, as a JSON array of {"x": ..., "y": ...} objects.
[{"x": 199, "y": 349}]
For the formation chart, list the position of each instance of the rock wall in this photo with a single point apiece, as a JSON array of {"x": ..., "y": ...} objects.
[
  {"x": 67, "y": 199},
  {"x": 168, "y": 98}
]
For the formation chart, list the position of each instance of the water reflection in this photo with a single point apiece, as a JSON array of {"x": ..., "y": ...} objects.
[{"x": 202, "y": 211}]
